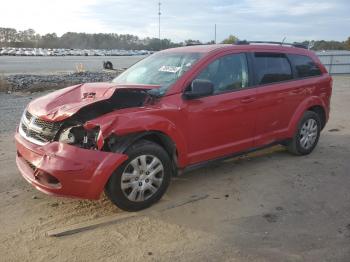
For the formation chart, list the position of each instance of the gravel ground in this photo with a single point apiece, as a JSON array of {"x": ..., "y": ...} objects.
[{"x": 269, "y": 206}]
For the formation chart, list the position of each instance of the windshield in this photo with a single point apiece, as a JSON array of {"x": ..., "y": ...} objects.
[{"x": 158, "y": 69}]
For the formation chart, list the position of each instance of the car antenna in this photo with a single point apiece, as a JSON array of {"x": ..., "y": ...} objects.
[{"x": 284, "y": 39}]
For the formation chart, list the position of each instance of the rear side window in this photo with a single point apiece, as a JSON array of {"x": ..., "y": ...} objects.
[
  {"x": 304, "y": 66},
  {"x": 272, "y": 67}
]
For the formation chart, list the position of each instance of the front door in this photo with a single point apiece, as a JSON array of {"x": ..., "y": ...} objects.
[{"x": 224, "y": 122}]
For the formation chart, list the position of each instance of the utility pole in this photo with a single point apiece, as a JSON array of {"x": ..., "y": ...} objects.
[
  {"x": 215, "y": 34},
  {"x": 159, "y": 13}
]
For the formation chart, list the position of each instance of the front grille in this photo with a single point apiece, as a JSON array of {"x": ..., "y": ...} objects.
[
  {"x": 47, "y": 125},
  {"x": 24, "y": 128},
  {"x": 28, "y": 115},
  {"x": 37, "y": 130}
]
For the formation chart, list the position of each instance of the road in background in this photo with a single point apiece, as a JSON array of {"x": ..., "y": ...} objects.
[{"x": 60, "y": 64}]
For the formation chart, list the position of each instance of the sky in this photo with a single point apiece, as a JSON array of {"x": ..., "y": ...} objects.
[{"x": 297, "y": 20}]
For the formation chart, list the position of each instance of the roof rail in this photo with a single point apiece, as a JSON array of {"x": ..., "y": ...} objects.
[{"x": 245, "y": 42}]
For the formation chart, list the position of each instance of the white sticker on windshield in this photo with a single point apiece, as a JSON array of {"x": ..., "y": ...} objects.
[{"x": 169, "y": 69}]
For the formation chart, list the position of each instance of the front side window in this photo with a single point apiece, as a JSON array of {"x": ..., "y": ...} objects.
[
  {"x": 304, "y": 66},
  {"x": 162, "y": 69},
  {"x": 227, "y": 73},
  {"x": 271, "y": 68}
]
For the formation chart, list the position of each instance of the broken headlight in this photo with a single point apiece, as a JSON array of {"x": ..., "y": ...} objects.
[
  {"x": 78, "y": 135},
  {"x": 67, "y": 137}
]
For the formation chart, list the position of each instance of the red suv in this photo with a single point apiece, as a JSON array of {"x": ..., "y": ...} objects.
[{"x": 174, "y": 110}]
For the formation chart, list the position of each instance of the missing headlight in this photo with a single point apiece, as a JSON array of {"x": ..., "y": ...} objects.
[
  {"x": 72, "y": 135},
  {"x": 77, "y": 135}
]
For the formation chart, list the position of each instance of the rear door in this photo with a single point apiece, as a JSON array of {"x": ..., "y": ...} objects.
[
  {"x": 278, "y": 95},
  {"x": 224, "y": 122}
]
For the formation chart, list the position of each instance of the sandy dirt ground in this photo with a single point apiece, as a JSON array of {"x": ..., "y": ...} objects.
[{"x": 270, "y": 206}]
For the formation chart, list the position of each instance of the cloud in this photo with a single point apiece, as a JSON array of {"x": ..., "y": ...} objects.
[
  {"x": 183, "y": 19},
  {"x": 267, "y": 8},
  {"x": 50, "y": 16}
]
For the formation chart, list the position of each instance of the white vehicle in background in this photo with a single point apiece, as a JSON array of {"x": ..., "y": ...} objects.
[
  {"x": 12, "y": 52},
  {"x": 4, "y": 51},
  {"x": 59, "y": 52},
  {"x": 39, "y": 52},
  {"x": 99, "y": 52},
  {"x": 29, "y": 52},
  {"x": 20, "y": 52}
]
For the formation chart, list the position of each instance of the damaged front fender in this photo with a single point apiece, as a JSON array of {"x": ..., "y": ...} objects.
[{"x": 139, "y": 122}]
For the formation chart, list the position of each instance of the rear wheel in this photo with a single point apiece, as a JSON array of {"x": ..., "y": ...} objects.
[
  {"x": 306, "y": 137},
  {"x": 142, "y": 179}
]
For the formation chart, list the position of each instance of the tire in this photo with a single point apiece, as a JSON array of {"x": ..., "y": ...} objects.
[
  {"x": 307, "y": 134},
  {"x": 143, "y": 179},
  {"x": 108, "y": 65}
]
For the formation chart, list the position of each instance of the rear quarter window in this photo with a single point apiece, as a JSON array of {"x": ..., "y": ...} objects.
[
  {"x": 271, "y": 68},
  {"x": 304, "y": 66}
]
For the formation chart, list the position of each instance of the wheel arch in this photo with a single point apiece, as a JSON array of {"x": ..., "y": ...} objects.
[
  {"x": 157, "y": 137},
  {"x": 319, "y": 110},
  {"x": 314, "y": 104}
]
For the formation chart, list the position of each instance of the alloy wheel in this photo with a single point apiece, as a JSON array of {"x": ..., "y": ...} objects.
[
  {"x": 142, "y": 178},
  {"x": 308, "y": 133}
]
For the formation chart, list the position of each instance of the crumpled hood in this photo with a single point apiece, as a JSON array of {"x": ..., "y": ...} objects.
[{"x": 64, "y": 103}]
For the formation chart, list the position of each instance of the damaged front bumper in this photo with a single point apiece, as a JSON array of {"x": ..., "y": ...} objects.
[{"x": 66, "y": 170}]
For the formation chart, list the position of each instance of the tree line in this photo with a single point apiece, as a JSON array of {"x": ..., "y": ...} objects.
[
  {"x": 29, "y": 38},
  {"x": 315, "y": 45}
]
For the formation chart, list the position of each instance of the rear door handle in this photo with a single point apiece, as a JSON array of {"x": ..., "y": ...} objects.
[{"x": 248, "y": 99}]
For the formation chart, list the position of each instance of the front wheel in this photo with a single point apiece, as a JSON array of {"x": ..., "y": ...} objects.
[
  {"x": 307, "y": 134},
  {"x": 142, "y": 179}
]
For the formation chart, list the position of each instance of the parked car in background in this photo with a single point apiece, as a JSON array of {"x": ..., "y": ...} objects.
[
  {"x": 69, "y": 52},
  {"x": 173, "y": 111}
]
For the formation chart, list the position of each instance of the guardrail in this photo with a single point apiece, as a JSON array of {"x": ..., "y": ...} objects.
[{"x": 336, "y": 63}]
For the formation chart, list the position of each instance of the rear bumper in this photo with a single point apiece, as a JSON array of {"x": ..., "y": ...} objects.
[{"x": 65, "y": 170}]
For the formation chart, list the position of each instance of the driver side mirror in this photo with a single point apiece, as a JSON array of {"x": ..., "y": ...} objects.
[{"x": 199, "y": 88}]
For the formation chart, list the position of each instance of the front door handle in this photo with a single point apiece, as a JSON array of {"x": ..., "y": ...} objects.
[{"x": 248, "y": 99}]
